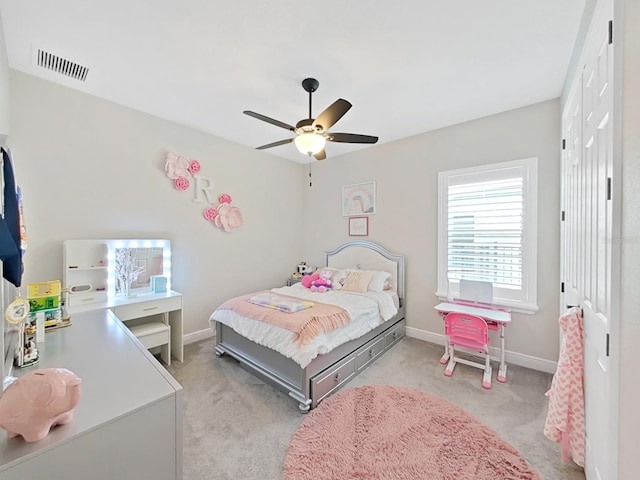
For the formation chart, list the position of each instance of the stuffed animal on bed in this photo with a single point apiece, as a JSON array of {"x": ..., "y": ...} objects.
[
  {"x": 307, "y": 280},
  {"x": 323, "y": 283}
]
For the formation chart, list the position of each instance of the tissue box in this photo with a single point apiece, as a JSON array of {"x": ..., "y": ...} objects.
[{"x": 158, "y": 283}]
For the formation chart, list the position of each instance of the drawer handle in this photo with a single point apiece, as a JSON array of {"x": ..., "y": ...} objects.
[
  {"x": 371, "y": 352},
  {"x": 394, "y": 335},
  {"x": 87, "y": 299},
  {"x": 150, "y": 308},
  {"x": 337, "y": 377}
]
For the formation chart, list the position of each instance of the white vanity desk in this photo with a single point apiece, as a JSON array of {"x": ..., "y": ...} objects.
[
  {"x": 128, "y": 424},
  {"x": 165, "y": 333},
  {"x": 155, "y": 318}
]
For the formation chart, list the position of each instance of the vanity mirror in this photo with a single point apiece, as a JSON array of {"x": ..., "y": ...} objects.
[
  {"x": 91, "y": 275},
  {"x": 146, "y": 258}
]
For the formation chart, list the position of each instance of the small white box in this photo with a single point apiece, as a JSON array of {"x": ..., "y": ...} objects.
[{"x": 40, "y": 318}]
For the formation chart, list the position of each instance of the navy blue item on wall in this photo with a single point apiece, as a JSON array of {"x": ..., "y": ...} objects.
[{"x": 10, "y": 252}]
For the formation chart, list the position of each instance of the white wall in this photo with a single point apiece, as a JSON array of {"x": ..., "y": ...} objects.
[
  {"x": 587, "y": 14},
  {"x": 4, "y": 131},
  {"x": 4, "y": 87},
  {"x": 406, "y": 220},
  {"x": 93, "y": 169},
  {"x": 627, "y": 19}
]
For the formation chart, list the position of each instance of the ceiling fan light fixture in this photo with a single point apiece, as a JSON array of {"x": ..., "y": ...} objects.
[
  {"x": 310, "y": 143},
  {"x": 313, "y": 133}
]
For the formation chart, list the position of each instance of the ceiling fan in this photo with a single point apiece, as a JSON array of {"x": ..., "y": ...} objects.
[{"x": 312, "y": 134}]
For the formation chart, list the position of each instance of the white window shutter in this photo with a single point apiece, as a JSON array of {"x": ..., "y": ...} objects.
[{"x": 487, "y": 230}]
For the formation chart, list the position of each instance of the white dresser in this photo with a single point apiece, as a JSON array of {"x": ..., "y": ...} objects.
[{"x": 128, "y": 424}]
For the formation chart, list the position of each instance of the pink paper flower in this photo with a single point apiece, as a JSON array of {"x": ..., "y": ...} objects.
[
  {"x": 210, "y": 214},
  {"x": 194, "y": 167},
  {"x": 229, "y": 218},
  {"x": 224, "y": 198},
  {"x": 181, "y": 183},
  {"x": 176, "y": 166}
]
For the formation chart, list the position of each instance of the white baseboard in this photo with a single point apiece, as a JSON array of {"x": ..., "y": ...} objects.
[
  {"x": 196, "y": 336},
  {"x": 513, "y": 358}
]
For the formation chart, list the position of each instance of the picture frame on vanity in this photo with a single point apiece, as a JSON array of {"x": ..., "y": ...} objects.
[
  {"x": 358, "y": 226},
  {"x": 359, "y": 199}
]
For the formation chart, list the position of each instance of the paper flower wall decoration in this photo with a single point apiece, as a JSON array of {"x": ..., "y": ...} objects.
[
  {"x": 224, "y": 216},
  {"x": 176, "y": 166},
  {"x": 181, "y": 183},
  {"x": 194, "y": 167}
]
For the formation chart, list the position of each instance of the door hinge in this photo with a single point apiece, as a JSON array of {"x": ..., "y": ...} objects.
[
  {"x": 607, "y": 344},
  {"x": 562, "y": 287},
  {"x": 608, "y": 188},
  {"x": 564, "y": 143},
  {"x": 610, "y": 32},
  {"x": 562, "y": 218}
]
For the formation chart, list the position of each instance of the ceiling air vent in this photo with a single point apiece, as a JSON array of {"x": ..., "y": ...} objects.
[{"x": 61, "y": 65}]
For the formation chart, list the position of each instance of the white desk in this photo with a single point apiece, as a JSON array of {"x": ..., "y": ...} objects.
[{"x": 496, "y": 319}]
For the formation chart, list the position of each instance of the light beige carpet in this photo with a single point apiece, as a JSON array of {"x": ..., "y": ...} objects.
[{"x": 237, "y": 427}]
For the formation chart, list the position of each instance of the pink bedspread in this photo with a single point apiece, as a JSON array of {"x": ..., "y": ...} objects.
[{"x": 306, "y": 324}]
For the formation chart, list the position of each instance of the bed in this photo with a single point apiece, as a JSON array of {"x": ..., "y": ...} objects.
[{"x": 310, "y": 373}]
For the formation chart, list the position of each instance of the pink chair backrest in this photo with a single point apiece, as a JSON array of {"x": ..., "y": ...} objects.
[{"x": 467, "y": 331}]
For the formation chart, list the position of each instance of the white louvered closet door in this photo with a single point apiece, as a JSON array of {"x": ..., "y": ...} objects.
[{"x": 587, "y": 231}]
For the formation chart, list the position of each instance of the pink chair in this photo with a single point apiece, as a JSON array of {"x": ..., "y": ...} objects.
[{"x": 471, "y": 334}]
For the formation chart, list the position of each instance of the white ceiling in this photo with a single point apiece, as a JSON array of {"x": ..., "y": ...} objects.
[{"x": 406, "y": 66}]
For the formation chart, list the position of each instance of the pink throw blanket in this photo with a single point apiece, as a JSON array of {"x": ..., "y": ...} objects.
[
  {"x": 306, "y": 324},
  {"x": 565, "y": 417}
]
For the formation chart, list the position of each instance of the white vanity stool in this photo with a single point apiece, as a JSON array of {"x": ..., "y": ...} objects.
[
  {"x": 155, "y": 334},
  {"x": 164, "y": 331}
]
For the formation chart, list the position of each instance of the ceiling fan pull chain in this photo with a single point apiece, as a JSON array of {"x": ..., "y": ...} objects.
[{"x": 310, "y": 163}]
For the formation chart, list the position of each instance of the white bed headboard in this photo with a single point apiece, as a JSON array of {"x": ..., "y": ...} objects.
[{"x": 366, "y": 255}]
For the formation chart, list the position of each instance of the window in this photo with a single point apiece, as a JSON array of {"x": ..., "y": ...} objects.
[{"x": 487, "y": 228}]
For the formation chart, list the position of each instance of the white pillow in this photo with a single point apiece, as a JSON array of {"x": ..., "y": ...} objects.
[
  {"x": 379, "y": 281},
  {"x": 357, "y": 281}
]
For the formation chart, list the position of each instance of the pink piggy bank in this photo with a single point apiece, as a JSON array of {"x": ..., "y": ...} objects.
[{"x": 37, "y": 401}]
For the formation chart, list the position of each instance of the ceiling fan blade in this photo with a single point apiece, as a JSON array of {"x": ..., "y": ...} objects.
[
  {"x": 270, "y": 120},
  {"x": 351, "y": 138},
  {"x": 321, "y": 155},
  {"x": 275, "y": 144},
  {"x": 332, "y": 114}
]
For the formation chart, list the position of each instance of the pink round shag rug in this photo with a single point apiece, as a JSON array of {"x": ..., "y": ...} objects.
[{"x": 387, "y": 432}]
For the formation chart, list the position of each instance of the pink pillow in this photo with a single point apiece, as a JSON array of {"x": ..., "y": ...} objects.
[{"x": 308, "y": 279}]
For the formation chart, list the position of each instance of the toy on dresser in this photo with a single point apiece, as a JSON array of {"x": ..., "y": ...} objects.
[{"x": 37, "y": 401}]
